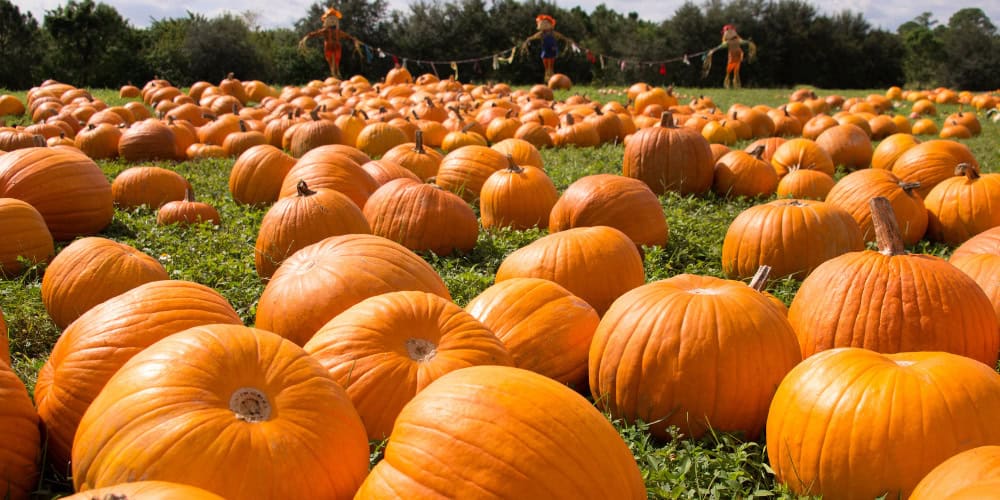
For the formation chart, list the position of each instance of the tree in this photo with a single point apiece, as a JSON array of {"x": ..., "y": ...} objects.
[
  {"x": 923, "y": 51},
  {"x": 19, "y": 47},
  {"x": 972, "y": 48},
  {"x": 222, "y": 45}
]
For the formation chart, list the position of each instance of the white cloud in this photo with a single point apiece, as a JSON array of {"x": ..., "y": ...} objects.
[{"x": 885, "y": 14}]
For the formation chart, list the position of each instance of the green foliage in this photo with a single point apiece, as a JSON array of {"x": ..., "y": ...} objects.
[
  {"x": 19, "y": 50},
  {"x": 964, "y": 54}
]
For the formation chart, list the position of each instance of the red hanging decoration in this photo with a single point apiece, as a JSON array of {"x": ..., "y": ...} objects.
[
  {"x": 395, "y": 61},
  {"x": 590, "y": 57},
  {"x": 663, "y": 69}
]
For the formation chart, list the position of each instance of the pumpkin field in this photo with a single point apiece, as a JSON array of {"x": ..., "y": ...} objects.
[{"x": 419, "y": 288}]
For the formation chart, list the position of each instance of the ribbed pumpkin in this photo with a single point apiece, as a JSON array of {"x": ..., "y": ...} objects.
[
  {"x": 150, "y": 186},
  {"x": 620, "y": 202},
  {"x": 187, "y": 211},
  {"x": 855, "y": 191},
  {"x": 314, "y": 133},
  {"x": 972, "y": 468},
  {"x": 739, "y": 173},
  {"x": 693, "y": 351},
  {"x": 983, "y": 269},
  {"x": 985, "y": 242},
  {"x": 890, "y": 301},
  {"x": 90, "y": 271},
  {"x": 146, "y": 490},
  {"x": 101, "y": 340},
  {"x": 667, "y": 158},
  {"x": 801, "y": 154},
  {"x": 847, "y": 145},
  {"x": 931, "y": 162},
  {"x": 523, "y": 152},
  {"x": 464, "y": 171},
  {"x": 351, "y": 152},
  {"x": 414, "y": 157},
  {"x": 147, "y": 140},
  {"x": 845, "y": 423},
  {"x": 805, "y": 184},
  {"x": 257, "y": 175},
  {"x": 298, "y": 221},
  {"x": 488, "y": 422},
  {"x": 322, "y": 280},
  {"x": 891, "y": 148},
  {"x": 224, "y": 391},
  {"x": 99, "y": 141},
  {"x": 791, "y": 236},
  {"x": 65, "y": 186},
  {"x": 519, "y": 197},
  {"x": 546, "y": 328},
  {"x": 21, "y": 450},
  {"x": 457, "y": 139},
  {"x": 329, "y": 169},
  {"x": 963, "y": 206},
  {"x": 384, "y": 171},
  {"x": 597, "y": 264},
  {"x": 386, "y": 349},
  {"x": 24, "y": 235},
  {"x": 378, "y": 138},
  {"x": 422, "y": 217},
  {"x": 237, "y": 142}
]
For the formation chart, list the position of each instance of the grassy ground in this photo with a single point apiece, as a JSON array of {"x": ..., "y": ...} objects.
[{"x": 720, "y": 466}]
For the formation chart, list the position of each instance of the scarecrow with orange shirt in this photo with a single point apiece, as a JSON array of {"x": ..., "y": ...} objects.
[
  {"x": 731, "y": 41},
  {"x": 332, "y": 35},
  {"x": 550, "y": 47}
]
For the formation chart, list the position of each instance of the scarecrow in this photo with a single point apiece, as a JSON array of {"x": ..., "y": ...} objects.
[
  {"x": 332, "y": 35},
  {"x": 550, "y": 48},
  {"x": 732, "y": 41}
]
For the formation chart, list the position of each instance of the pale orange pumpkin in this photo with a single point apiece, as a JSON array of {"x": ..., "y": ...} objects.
[{"x": 620, "y": 202}]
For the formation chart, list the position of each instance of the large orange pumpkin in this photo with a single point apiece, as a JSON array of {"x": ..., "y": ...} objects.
[
  {"x": 148, "y": 140},
  {"x": 931, "y": 162},
  {"x": 324, "y": 167},
  {"x": 415, "y": 157},
  {"x": 891, "y": 148},
  {"x": 512, "y": 434},
  {"x": 224, "y": 393},
  {"x": 150, "y": 186},
  {"x": 386, "y": 349},
  {"x": 146, "y": 490},
  {"x": 597, "y": 264},
  {"x": 257, "y": 175},
  {"x": 65, "y": 186},
  {"x": 25, "y": 236},
  {"x": 465, "y": 170},
  {"x": 667, "y": 158},
  {"x": 791, "y": 236},
  {"x": 855, "y": 191},
  {"x": 100, "y": 341},
  {"x": 422, "y": 217},
  {"x": 971, "y": 468},
  {"x": 738, "y": 173},
  {"x": 801, "y": 154},
  {"x": 546, "y": 328},
  {"x": 90, "y": 271},
  {"x": 890, "y": 301},
  {"x": 21, "y": 450},
  {"x": 963, "y": 206},
  {"x": 847, "y": 145},
  {"x": 848, "y": 423},
  {"x": 985, "y": 242},
  {"x": 610, "y": 200},
  {"x": 983, "y": 268},
  {"x": 693, "y": 351},
  {"x": 519, "y": 197},
  {"x": 322, "y": 280}
]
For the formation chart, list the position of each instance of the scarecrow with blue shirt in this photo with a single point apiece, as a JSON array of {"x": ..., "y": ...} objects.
[{"x": 550, "y": 47}]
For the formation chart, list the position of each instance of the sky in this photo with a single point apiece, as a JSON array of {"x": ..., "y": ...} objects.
[{"x": 885, "y": 14}]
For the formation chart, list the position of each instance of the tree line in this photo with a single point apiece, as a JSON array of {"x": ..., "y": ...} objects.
[{"x": 91, "y": 44}]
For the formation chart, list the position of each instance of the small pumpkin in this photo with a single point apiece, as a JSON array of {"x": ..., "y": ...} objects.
[
  {"x": 313, "y": 133},
  {"x": 739, "y": 173},
  {"x": 25, "y": 237},
  {"x": 147, "y": 140},
  {"x": 415, "y": 157},
  {"x": 847, "y": 145},
  {"x": 801, "y": 154},
  {"x": 519, "y": 197},
  {"x": 187, "y": 211},
  {"x": 805, "y": 184},
  {"x": 961, "y": 207}
]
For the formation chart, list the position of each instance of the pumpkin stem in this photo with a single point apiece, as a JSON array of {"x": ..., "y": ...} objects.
[
  {"x": 967, "y": 170},
  {"x": 467, "y": 126},
  {"x": 887, "y": 235},
  {"x": 421, "y": 350},
  {"x": 39, "y": 140},
  {"x": 667, "y": 120},
  {"x": 569, "y": 119},
  {"x": 243, "y": 126},
  {"x": 414, "y": 113},
  {"x": 303, "y": 189},
  {"x": 236, "y": 109},
  {"x": 314, "y": 114},
  {"x": 759, "y": 280},
  {"x": 513, "y": 167},
  {"x": 250, "y": 405},
  {"x": 419, "y": 139},
  {"x": 365, "y": 115},
  {"x": 189, "y": 194},
  {"x": 909, "y": 186},
  {"x": 758, "y": 152}
]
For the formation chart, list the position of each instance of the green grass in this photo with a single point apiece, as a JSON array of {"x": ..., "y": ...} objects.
[{"x": 719, "y": 466}]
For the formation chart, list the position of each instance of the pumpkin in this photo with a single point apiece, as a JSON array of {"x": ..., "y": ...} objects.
[
  {"x": 102, "y": 339},
  {"x": 805, "y": 184},
  {"x": 224, "y": 391},
  {"x": 985, "y": 242},
  {"x": 65, "y": 186},
  {"x": 215, "y": 131},
  {"x": 931, "y": 162},
  {"x": 523, "y": 152},
  {"x": 99, "y": 141},
  {"x": 237, "y": 142},
  {"x": 890, "y": 301},
  {"x": 890, "y": 149},
  {"x": 21, "y": 449},
  {"x": 378, "y": 138},
  {"x": 313, "y": 133},
  {"x": 187, "y": 211},
  {"x": 597, "y": 264},
  {"x": 351, "y": 152},
  {"x": 983, "y": 269},
  {"x": 961, "y": 207},
  {"x": 847, "y": 145},
  {"x": 793, "y": 237},
  {"x": 11, "y": 105},
  {"x": 465, "y": 170},
  {"x": 4, "y": 342},
  {"x": 14, "y": 139},
  {"x": 457, "y": 139},
  {"x": 90, "y": 271},
  {"x": 322, "y": 280},
  {"x": 693, "y": 351},
  {"x": 415, "y": 158},
  {"x": 25, "y": 237},
  {"x": 968, "y": 120},
  {"x": 299, "y": 221},
  {"x": 517, "y": 197},
  {"x": 845, "y": 422},
  {"x": 667, "y": 158},
  {"x": 972, "y": 468},
  {"x": 146, "y": 490},
  {"x": 535, "y": 134},
  {"x": 612, "y": 200},
  {"x": 924, "y": 126},
  {"x": 329, "y": 169},
  {"x": 547, "y": 329},
  {"x": 147, "y": 140},
  {"x": 771, "y": 145},
  {"x": 499, "y": 451},
  {"x": 422, "y": 217},
  {"x": 200, "y": 151},
  {"x": 149, "y": 186},
  {"x": 855, "y": 191},
  {"x": 257, "y": 175},
  {"x": 801, "y": 154},
  {"x": 816, "y": 125},
  {"x": 386, "y": 349},
  {"x": 739, "y": 173},
  {"x": 384, "y": 171}
]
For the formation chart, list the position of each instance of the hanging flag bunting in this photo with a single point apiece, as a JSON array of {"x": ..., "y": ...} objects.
[
  {"x": 454, "y": 67},
  {"x": 663, "y": 69},
  {"x": 602, "y": 61},
  {"x": 686, "y": 61},
  {"x": 395, "y": 61},
  {"x": 368, "y": 54},
  {"x": 381, "y": 55},
  {"x": 622, "y": 67}
]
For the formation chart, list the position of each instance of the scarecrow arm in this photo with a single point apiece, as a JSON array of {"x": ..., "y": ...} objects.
[
  {"x": 524, "y": 45},
  {"x": 311, "y": 34}
]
